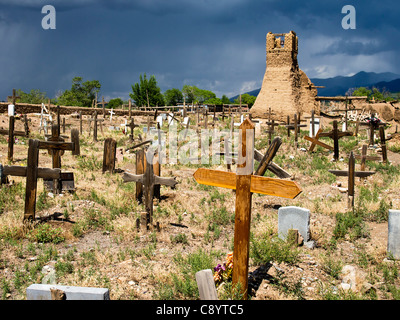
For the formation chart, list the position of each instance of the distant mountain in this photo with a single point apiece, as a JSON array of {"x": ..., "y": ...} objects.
[{"x": 338, "y": 86}]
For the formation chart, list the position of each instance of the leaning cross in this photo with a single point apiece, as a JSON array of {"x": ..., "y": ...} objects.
[
  {"x": 149, "y": 180},
  {"x": 245, "y": 183},
  {"x": 314, "y": 141},
  {"x": 335, "y": 135}
]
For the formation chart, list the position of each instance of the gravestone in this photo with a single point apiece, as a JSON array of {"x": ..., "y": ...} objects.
[
  {"x": 294, "y": 218},
  {"x": 44, "y": 292},
  {"x": 394, "y": 233}
]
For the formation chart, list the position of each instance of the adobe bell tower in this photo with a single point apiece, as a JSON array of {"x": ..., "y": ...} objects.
[{"x": 285, "y": 89}]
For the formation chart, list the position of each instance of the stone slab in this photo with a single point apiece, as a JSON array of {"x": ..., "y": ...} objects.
[
  {"x": 42, "y": 292},
  {"x": 294, "y": 218},
  {"x": 394, "y": 233}
]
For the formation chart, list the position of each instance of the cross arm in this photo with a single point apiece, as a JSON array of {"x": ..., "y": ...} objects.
[
  {"x": 345, "y": 173},
  {"x": 259, "y": 184},
  {"x": 44, "y": 173},
  {"x": 56, "y": 145},
  {"x": 165, "y": 181},
  {"x": 129, "y": 177}
]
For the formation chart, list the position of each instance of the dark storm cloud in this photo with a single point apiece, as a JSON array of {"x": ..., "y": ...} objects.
[{"x": 215, "y": 45}]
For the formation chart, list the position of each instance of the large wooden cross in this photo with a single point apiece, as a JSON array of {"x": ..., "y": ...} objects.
[
  {"x": 149, "y": 180},
  {"x": 11, "y": 134},
  {"x": 32, "y": 172},
  {"x": 351, "y": 174},
  {"x": 245, "y": 183},
  {"x": 335, "y": 135}
]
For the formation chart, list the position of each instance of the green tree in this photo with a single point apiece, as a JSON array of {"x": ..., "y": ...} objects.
[
  {"x": 146, "y": 92},
  {"x": 115, "y": 103},
  {"x": 362, "y": 91},
  {"x": 173, "y": 96},
  {"x": 81, "y": 94},
  {"x": 246, "y": 99},
  {"x": 35, "y": 96},
  {"x": 225, "y": 100},
  {"x": 195, "y": 95}
]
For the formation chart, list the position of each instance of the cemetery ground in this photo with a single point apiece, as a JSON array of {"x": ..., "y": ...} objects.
[{"x": 89, "y": 237}]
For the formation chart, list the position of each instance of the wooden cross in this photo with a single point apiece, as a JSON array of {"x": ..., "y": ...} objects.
[
  {"x": 95, "y": 120},
  {"x": 295, "y": 126},
  {"x": 335, "y": 135},
  {"x": 149, "y": 180},
  {"x": 32, "y": 172},
  {"x": 103, "y": 103},
  {"x": 132, "y": 126},
  {"x": 364, "y": 157},
  {"x": 314, "y": 141},
  {"x": 56, "y": 146},
  {"x": 383, "y": 143},
  {"x": 245, "y": 183},
  {"x": 351, "y": 174},
  {"x": 13, "y": 98},
  {"x": 11, "y": 134},
  {"x": 271, "y": 129}
]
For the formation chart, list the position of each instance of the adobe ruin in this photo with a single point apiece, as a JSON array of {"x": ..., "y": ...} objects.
[{"x": 286, "y": 89}]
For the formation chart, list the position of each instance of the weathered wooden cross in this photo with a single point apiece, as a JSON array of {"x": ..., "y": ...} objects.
[
  {"x": 363, "y": 157},
  {"x": 335, "y": 135},
  {"x": 32, "y": 172},
  {"x": 351, "y": 174},
  {"x": 245, "y": 183},
  {"x": 56, "y": 146},
  {"x": 13, "y": 98},
  {"x": 11, "y": 134},
  {"x": 149, "y": 180},
  {"x": 295, "y": 126},
  {"x": 314, "y": 141},
  {"x": 95, "y": 120}
]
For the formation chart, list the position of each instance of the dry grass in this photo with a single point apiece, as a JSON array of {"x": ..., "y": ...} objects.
[{"x": 103, "y": 248}]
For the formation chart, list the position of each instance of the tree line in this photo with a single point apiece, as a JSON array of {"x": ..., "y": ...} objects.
[{"x": 145, "y": 93}]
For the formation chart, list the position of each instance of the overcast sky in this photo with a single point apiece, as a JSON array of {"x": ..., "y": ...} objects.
[{"x": 218, "y": 45}]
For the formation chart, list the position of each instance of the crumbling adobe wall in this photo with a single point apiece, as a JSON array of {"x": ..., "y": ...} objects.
[
  {"x": 26, "y": 108},
  {"x": 285, "y": 89}
]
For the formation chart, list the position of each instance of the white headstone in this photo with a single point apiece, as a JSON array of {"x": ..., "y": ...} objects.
[
  {"x": 316, "y": 126},
  {"x": 294, "y": 218},
  {"x": 393, "y": 247},
  {"x": 11, "y": 110}
]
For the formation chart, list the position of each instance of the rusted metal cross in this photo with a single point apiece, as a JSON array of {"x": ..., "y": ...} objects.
[{"x": 245, "y": 183}]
